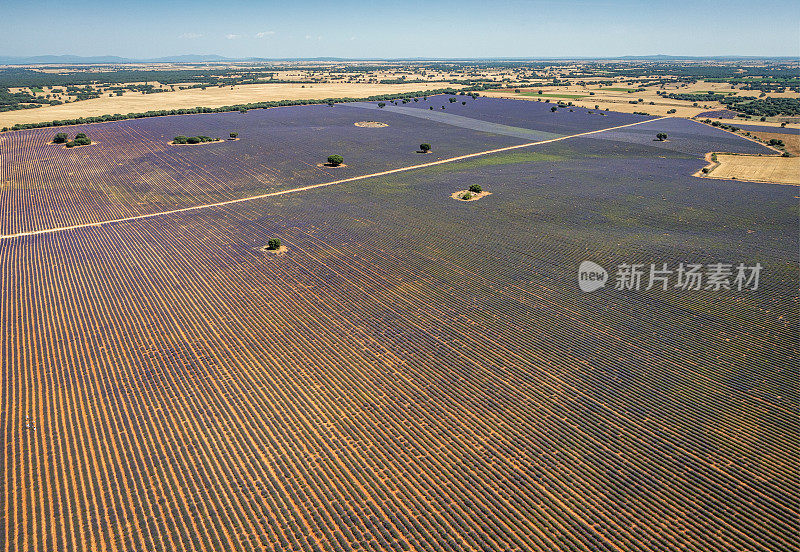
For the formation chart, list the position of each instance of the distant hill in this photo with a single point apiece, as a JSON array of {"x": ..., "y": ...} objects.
[{"x": 201, "y": 58}]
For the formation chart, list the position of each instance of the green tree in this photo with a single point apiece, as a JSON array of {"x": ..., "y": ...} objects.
[
  {"x": 273, "y": 244},
  {"x": 554, "y": 109},
  {"x": 425, "y": 148},
  {"x": 335, "y": 160},
  {"x": 661, "y": 136},
  {"x": 475, "y": 188},
  {"x": 60, "y": 138},
  {"x": 234, "y": 135},
  {"x": 180, "y": 139}
]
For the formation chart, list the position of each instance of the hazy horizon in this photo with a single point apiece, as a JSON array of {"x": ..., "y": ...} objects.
[{"x": 459, "y": 30}]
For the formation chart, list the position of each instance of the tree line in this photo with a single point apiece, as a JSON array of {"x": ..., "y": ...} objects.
[{"x": 237, "y": 107}]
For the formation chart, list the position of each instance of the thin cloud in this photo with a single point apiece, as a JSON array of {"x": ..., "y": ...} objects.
[
  {"x": 265, "y": 34},
  {"x": 190, "y": 36},
  {"x": 233, "y": 36}
]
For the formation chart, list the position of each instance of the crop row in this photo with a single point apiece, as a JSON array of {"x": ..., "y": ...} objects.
[{"x": 415, "y": 374}]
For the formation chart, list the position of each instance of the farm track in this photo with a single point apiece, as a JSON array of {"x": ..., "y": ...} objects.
[{"x": 314, "y": 186}]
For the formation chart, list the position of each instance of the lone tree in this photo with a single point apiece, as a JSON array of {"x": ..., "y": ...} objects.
[
  {"x": 554, "y": 109},
  {"x": 335, "y": 160},
  {"x": 60, "y": 138},
  {"x": 424, "y": 148},
  {"x": 234, "y": 135},
  {"x": 475, "y": 188},
  {"x": 661, "y": 136},
  {"x": 273, "y": 244},
  {"x": 382, "y": 104}
]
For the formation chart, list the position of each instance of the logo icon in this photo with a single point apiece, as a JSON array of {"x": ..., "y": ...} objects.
[{"x": 591, "y": 276}]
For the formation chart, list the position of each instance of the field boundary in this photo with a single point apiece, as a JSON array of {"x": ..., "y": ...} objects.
[
  {"x": 313, "y": 186},
  {"x": 712, "y": 165}
]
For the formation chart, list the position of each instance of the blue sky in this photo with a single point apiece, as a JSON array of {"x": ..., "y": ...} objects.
[{"x": 410, "y": 28}]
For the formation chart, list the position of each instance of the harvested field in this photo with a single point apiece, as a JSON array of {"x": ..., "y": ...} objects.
[
  {"x": 791, "y": 140},
  {"x": 774, "y": 170},
  {"x": 211, "y": 97},
  {"x": 414, "y": 373}
]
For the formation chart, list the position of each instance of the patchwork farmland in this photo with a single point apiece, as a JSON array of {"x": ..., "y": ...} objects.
[{"x": 415, "y": 372}]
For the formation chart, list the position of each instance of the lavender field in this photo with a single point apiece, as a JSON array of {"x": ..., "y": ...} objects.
[
  {"x": 131, "y": 169},
  {"x": 415, "y": 372},
  {"x": 526, "y": 114}
]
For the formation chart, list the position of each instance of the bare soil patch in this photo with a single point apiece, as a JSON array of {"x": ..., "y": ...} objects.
[
  {"x": 330, "y": 166},
  {"x": 475, "y": 197},
  {"x": 370, "y": 124},
  {"x": 280, "y": 252}
]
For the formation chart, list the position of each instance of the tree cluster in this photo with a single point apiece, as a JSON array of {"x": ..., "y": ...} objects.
[
  {"x": 80, "y": 139},
  {"x": 193, "y": 139}
]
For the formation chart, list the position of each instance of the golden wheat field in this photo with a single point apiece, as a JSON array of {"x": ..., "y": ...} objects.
[
  {"x": 780, "y": 170},
  {"x": 210, "y": 97}
]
